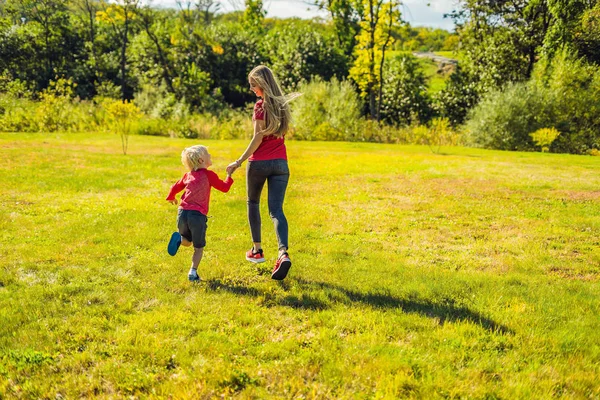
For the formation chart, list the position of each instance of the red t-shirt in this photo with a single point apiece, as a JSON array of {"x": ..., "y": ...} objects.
[
  {"x": 197, "y": 186},
  {"x": 271, "y": 147}
]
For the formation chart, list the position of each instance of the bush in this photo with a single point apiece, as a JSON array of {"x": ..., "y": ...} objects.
[
  {"x": 157, "y": 102},
  {"x": 124, "y": 115},
  {"x": 17, "y": 115},
  {"x": 563, "y": 94},
  {"x": 151, "y": 127},
  {"x": 56, "y": 110},
  {"x": 436, "y": 134},
  {"x": 544, "y": 137},
  {"x": 504, "y": 119},
  {"x": 327, "y": 111}
]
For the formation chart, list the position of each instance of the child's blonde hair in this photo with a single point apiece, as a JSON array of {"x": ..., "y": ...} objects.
[
  {"x": 194, "y": 157},
  {"x": 275, "y": 103}
]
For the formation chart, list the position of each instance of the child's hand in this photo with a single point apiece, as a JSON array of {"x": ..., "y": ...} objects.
[{"x": 174, "y": 201}]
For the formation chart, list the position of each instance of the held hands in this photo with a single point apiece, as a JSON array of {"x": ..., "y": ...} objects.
[{"x": 232, "y": 167}]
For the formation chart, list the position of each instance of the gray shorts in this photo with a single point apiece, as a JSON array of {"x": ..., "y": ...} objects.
[{"x": 192, "y": 226}]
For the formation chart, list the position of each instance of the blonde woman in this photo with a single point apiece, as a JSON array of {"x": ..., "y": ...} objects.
[
  {"x": 267, "y": 162},
  {"x": 191, "y": 216}
]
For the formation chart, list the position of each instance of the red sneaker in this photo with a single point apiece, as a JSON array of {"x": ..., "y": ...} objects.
[
  {"x": 282, "y": 267},
  {"x": 257, "y": 257}
]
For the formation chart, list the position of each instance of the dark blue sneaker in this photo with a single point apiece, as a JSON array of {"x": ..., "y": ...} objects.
[
  {"x": 174, "y": 243},
  {"x": 193, "y": 277}
]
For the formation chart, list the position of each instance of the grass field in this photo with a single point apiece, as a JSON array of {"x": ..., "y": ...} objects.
[{"x": 467, "y": 274}]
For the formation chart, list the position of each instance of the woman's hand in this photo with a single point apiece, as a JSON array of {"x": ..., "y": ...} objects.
[
  {"x": 232, "y": 167},
  {"x": 174, "y": 201}
]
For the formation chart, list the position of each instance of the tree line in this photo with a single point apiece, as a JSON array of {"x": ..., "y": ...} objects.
[
  {"x": 194, "y": 59},
  {"x": 192, "y": 52}
]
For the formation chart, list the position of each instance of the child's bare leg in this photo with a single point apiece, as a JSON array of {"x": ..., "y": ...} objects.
[
  {"x": 185, "y": 242},
  {"x": 196, "y": 258},
  {"x": 257, "y": 246}
]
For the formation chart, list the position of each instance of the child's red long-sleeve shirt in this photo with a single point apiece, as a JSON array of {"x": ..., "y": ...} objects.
[{"x": 197, "y": 186}]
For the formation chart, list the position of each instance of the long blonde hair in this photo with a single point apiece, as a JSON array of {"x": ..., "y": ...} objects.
[{"x": 275, "y": 103}]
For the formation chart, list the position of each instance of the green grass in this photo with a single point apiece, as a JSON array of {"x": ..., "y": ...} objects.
[
  {"x": 470, "y": 274},
  {"x": 435, "y": 81}
]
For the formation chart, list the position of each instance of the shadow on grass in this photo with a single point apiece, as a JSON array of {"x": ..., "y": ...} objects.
[{"x": 316, "y": 295}]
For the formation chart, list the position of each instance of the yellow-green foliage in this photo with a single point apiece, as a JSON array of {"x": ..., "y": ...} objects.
[
  {"x": 56, "y": 110},
  {"x": 438, "y": 133},
  {"x": 374, "y": 35},
  {"x": 544, "y": 137},
  {"x": 123, "y": 115},
  {"x": 55, "y": 106}
]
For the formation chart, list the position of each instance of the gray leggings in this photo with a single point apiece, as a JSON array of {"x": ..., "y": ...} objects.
[{"x": 277, "y": 175}]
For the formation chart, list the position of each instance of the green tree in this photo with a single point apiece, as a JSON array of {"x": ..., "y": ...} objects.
[
  {"x": 586, "y": 36},
  {"x": 571, "y": 21},
  {"x": 121, "y": 17},
  {"x": 298, "y": 51},
  {"x": 501, "y": 40},
  {"x": 254, "y": 16},
  {"x": 345, "y": 16},
  {"x": 404, "y": 96},
  {"x": 155, "y": 26},
  {"x": 236, "y": 51},
  {"x": 458, "y": 96},
  {"x": 38, "y": 42}
]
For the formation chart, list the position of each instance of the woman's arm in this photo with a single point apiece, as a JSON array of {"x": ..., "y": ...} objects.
[{"x": 259, "y": 127}]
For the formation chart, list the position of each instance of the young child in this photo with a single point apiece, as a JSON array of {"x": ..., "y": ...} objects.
[{"x": 191, "y": 217}]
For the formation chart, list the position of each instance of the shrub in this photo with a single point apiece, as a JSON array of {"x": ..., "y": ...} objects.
[
  {"x": 437, "y": 134},
  {"x": 14, "y": 87},
  {"x": 327, "y": 111},
  {"x": 563, "y": 94},
  {"x": 504, "y": 119},
  {"x": 233, "y": 125},
  {"x": 544, "y": 137},
  {"x": 157, "y": 102},
  {"x": 123, "y": 115},
  {"x": 55, "y": 111},
  {"x": 17, "y": 115},
  {"x": 151, "y": 127}
]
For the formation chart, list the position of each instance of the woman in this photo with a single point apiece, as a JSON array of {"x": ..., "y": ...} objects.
[{"x": 267, "y": 162}]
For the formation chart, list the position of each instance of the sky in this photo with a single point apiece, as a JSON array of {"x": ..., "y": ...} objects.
[{"x": 416, "y": 12}]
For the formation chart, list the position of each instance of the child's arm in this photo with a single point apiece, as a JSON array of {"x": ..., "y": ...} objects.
[
  {"x": 176, "y": 188},
  {"x": 217, "y": 183}
]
